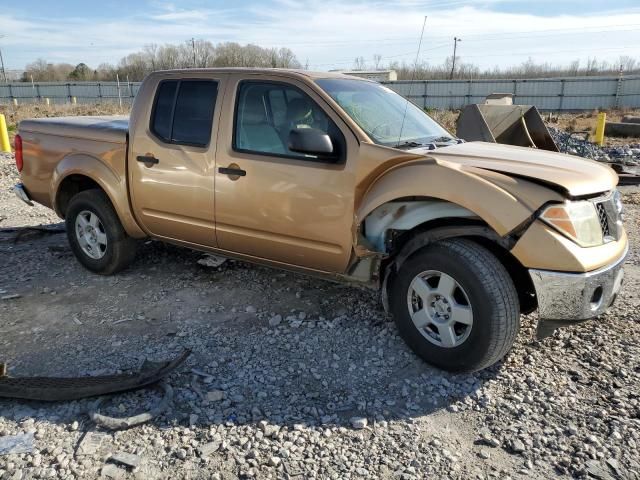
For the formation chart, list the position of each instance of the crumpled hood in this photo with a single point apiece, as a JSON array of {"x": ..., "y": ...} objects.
[{"x": 577, "y": 176}]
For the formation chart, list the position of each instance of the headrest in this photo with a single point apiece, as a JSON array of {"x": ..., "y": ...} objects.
[
  {"x": 298, "y": 109},
  {"x": 253, "y": 111}
]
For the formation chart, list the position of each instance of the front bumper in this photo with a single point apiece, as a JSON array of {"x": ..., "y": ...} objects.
[
  {"x": 577, "y": 296},
  {"x": 22, "y": 194}
]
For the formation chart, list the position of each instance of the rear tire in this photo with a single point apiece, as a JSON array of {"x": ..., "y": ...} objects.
[
  {"x": 96, "y": 235},
  {"x": 455, "y": 305}
]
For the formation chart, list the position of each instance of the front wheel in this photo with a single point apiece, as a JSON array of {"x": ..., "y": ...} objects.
[
  {"x": 96, "y": 235},
  {"x": 455, "y": 305}
]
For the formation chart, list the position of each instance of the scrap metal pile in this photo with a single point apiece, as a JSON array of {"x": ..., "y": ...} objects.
[{"x": 499, "y": 121}]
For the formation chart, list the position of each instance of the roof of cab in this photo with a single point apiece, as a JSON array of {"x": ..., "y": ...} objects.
[{"x": 265, "y": 71}]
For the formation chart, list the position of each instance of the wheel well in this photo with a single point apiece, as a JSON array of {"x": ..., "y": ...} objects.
[
  {"x": 399, "y": 243},
  {"x": 71, "y": 186},
  {"x": 518, "y": 273}
]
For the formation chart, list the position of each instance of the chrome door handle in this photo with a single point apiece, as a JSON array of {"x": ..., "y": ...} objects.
[{"x": 147, "y": 159}]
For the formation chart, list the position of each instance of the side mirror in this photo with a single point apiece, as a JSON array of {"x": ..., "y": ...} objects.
[{"x": 311, "y": 141}]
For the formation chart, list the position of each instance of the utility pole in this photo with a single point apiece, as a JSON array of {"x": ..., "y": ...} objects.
[
  {"x": 455, "y": 47},
  {"x": 193, "y": 46},
  {"x": 4, "y": 73}
]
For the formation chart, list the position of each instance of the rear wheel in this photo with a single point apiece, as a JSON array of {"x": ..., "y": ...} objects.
[
  {"x": 96, "y": 235},
  {"x": 455, "y": 305}
]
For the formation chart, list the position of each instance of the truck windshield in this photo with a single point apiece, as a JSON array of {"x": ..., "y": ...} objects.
[{"x": 379, "y": 111}]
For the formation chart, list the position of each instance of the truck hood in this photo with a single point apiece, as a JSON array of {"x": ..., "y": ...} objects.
[{"x": 576, "y": 176}]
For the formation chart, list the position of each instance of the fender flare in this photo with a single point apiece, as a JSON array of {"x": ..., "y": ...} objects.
[
  {"x": 497, "y": 207},
  {"x": 114, "y": 185}
]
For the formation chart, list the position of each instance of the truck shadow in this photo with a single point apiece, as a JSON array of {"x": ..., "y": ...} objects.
[{"x": 332, "y": 356}]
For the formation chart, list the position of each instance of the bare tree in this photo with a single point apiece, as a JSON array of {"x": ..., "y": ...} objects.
[
  {"x": 137, "y": 65},
  {"x": 377, "y": 60},
  {"x": 359, "y": 64}
]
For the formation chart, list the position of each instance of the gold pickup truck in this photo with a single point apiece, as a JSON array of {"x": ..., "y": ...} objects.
[{"x": 342, "y": 178}]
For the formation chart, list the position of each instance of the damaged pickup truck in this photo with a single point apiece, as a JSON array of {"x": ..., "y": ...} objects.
[{"x": 342, "y": 178}]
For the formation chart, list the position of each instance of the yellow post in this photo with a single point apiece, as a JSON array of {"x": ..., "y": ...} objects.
[
  {"x": 46, "y": 101},
  {"x": 5, "y": 146},
  {"x": 602, "y": 120}
]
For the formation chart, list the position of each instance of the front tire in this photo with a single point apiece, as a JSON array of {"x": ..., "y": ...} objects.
[
  {"x": 96, "y": 235},
  {"x": 455, "y": 305}
]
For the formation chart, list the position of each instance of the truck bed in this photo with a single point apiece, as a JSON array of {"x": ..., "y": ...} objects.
[
  {"x": 112, "y": 128},
  {"x": 84, "y": 143}
]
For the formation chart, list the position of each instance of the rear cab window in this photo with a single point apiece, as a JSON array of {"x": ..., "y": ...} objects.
[{"x": 183, "y": 111}]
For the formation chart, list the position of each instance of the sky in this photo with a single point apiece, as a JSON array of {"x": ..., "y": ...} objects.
[{"x": 326, "y": 34}]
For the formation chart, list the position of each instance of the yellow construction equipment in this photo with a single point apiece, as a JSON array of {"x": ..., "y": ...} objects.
[
  {"x": 5, "y": 146},
  {"x": 498, "y": 121}
]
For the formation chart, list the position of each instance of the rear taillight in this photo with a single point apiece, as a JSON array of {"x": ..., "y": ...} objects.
[{"x": 18, "y": 147}]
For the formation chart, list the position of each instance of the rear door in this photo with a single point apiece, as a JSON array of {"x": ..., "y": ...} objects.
[{"x": 172, "y": 159}]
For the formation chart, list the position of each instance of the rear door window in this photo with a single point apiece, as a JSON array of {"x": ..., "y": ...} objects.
[
  {"x": 162, "y": 113},
  {"x": 183, "y": 111}
]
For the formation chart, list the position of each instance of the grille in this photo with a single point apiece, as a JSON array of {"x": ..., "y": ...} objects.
[{"x": 604, "y": 219}]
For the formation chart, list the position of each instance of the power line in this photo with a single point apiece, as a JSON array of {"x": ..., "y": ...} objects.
[
  {"x": 407, "y": 40},
  {"x": 499, "y": 35}
]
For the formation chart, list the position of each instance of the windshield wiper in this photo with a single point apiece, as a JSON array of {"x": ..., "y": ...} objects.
[
  {"x": 443, "y": 139},
  {"x": 410, "y": 144}
]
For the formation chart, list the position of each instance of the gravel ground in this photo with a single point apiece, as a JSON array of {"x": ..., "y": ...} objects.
[
  {"x": 302, "y": 378},
  {"x": 575, "y": 144}
]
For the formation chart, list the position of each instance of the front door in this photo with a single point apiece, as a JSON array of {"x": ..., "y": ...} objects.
[
  {"x": 172, "y": 159},
  {"x": 273, "y": 203}
]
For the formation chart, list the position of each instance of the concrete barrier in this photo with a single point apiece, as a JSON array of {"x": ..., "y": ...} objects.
[{"x": 619, "y": 129}]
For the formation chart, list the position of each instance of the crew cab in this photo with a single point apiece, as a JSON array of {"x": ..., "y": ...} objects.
[{"x": 342, "y": 178}]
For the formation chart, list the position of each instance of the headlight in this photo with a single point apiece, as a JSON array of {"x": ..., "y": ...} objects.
[{"x": 577, "y": 220}]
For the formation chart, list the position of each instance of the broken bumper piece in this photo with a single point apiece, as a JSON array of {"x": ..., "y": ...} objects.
[{"x": 57, "y": 389}]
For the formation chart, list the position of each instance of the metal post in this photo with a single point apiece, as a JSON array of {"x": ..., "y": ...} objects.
[
  {"x": 618, "y": 91},
  {"x": 119, "y": 96},
  {"x": 4, "y": 73},
  {"x": 562, "y": 83},
  {"x": 69, "y": 92},
  {"x": 424, "y": 103}
]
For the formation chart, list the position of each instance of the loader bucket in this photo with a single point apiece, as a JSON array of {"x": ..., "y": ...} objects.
[{"x": 519, "y": 125}]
